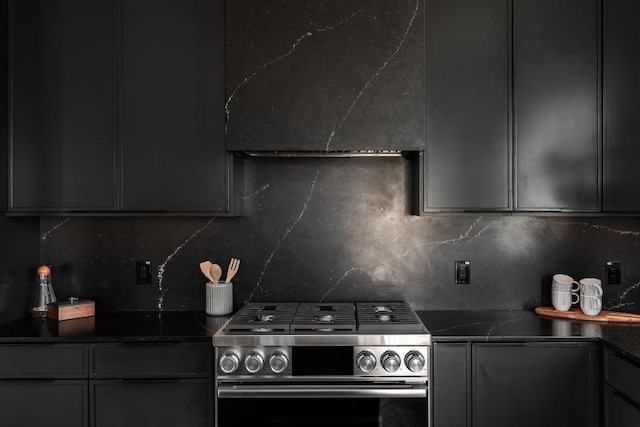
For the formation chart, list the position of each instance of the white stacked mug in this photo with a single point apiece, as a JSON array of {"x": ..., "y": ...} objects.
[
  {"x": 564, "y": 292},
  {"x": 591, "y": 296}
]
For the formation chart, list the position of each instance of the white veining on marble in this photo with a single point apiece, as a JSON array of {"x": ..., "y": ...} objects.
[
  {"x": 599, "y": 227},
  {"x": 621, "y": 298},
  {"x": 465, "y": 325},
  {"x": 163, "y": 266},
  {"x": 284, "y": 237},
  {"x": 295, "y": 45},
  {"x": 373, "y": 77},
  {"x": 258, "y": 191},
  {"x": 497, "y": 325},
  {"x": 54, "y": 228},
  {"x": 344, "y": 276}
]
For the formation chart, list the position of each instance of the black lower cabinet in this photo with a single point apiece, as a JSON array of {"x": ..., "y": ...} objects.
[
  {"x": 620, "y": 411},
  {"x": 106, "y": 385},
  {"x": 44, "y": 385},
  {"x": 44, "y": 403},
  {"x": 450, "y": 384},
  {"x": 516, "y": 384},
  {"x": 158, "y": 403},
  {"x": 621, "y": 390}
]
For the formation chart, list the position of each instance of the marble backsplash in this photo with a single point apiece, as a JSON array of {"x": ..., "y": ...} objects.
[{"x": 338, "y": 230}]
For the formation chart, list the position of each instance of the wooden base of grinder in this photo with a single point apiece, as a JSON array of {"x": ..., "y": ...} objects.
[{"x": 73, "y": 308}]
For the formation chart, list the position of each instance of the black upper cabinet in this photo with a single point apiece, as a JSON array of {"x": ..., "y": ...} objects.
[
  {"x": 62, "y": 105},
  {"x": 118, "y": 107},
  {"x": 621, "y": 68},
  {"x": 556, "y": 105},
  {"x": 467, "y": 163},
  {"x": 173, "y": 106}
]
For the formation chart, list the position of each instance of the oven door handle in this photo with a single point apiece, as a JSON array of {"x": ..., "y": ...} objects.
[{"x": 320, "y": 392}]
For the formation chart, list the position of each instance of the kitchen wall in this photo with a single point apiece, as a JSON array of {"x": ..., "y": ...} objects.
[
  {"x": 336, "y": 230},
  {"x": 312, "y": 73}
]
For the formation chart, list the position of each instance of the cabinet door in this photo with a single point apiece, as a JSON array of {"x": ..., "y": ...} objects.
[
  {"x": 621, "y": 68},
  {"x": 535, "y": 384},
  {"x": 619, "y": 410},
  {"x": 451, "y": 384},
  {"x": 55, "y": 403},
  {"x": 62, "y": 102},
  {"x": 556, "y": 105},
  {"x": 467, "y": 160},
  {"x": 173, "y": 156},
  {"x": 158, "y": 403}
]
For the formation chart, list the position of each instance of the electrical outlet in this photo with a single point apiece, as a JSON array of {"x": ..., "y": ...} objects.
[
  {"x": 614, "y": 273},
  {"x": 143, "y": 272},
  {"x": 463, "y": 272}
]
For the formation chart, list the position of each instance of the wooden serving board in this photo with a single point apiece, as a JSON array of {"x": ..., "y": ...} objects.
[{"x": 577, "y": 314}]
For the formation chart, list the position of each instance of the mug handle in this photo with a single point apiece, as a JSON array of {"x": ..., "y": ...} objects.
[
  {"x": 599, "y": 291},
  {"x": 573, "y": 294},
  {"x": 577, "y": 288}
]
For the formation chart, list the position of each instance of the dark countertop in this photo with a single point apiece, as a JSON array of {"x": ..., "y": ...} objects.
[
  {"x": 526, "y": 325},
  {"x": 115, "y": 326},
  {"x": 444, "y": 326}
]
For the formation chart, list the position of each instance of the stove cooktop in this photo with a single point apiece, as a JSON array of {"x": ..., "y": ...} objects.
[{"x": 324, "y": 318}]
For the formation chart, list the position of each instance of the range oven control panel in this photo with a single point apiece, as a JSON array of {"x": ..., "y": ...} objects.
[
  {"x": 310, "y": 361},
  {"x": 254, "y": 361},
  {"x": 384, "y": 361}
]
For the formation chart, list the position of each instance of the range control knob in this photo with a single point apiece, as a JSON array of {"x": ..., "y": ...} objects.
[
  {"x": 229, "y": 362},
  {"x": 253, "y": 362},
  {"x": 414, "y": 361},
  {"x": 390, "y": 361},
  {"x": 366, "y": 361},
  {"x": 278, "y": 362}
]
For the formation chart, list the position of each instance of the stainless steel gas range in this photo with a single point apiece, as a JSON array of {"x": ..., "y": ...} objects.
[{"x": 362, "y": 364}]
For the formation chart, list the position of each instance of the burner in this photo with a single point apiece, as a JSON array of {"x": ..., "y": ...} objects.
[
  {"x": 314, "y": 318},
  {"x": 271, "y": 318},
  {"x": 387, "y": 317},
  {"x": 324, "y": 318}
]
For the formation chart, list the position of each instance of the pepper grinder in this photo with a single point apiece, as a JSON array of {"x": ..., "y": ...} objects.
[{"x": 45, "y": 294}]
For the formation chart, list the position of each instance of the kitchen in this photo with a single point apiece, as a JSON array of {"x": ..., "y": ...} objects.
[{"x": 321, "y": 229}]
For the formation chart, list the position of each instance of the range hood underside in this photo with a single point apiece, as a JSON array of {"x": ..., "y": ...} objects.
[{"x": 319, "y": 153}]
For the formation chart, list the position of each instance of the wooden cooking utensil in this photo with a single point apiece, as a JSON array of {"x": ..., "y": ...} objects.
[
  {"x": 234, "y": 265},
  {"x": 216, "y": 272},
  {"x": 205, "y": 267}
]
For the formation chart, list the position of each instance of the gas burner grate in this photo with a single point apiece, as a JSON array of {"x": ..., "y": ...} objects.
[
  {"x": 387, "y": 316},
  {"x": 262, "y": 318},
  {"x": 324, "y": 317}
]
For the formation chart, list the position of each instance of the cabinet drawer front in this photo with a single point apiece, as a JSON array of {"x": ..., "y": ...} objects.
[
  {"x": 43, "y": 361},
  {"x": 619, "y": 412},
  {"x": 622, "y": 374},
  {"x": 181, "y": 402},
  {"x": 44, "y": 403},
  {"x": 152, "y": 360}
]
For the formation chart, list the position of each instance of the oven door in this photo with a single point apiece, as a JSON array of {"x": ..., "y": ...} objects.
[{"x": 321, "y": 404}]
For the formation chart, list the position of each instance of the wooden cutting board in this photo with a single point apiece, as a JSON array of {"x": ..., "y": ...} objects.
[{"x": 577, "y": 314}]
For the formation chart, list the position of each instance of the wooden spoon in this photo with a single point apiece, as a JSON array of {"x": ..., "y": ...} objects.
[
  {"x": 205, "y": 267},
  {"x": 216, "y": 272}
]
